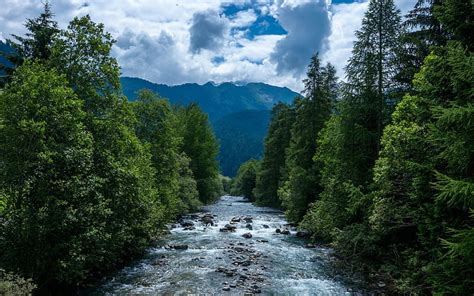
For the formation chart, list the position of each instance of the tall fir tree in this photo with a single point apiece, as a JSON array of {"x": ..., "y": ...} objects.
[
  {"x": 272, "y": 169},
  {"x": 311, "y": 112},
  {"x": 350, "y": 142},
  {"x": 35, "y": 45}
]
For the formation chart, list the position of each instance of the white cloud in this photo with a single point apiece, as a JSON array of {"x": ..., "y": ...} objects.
[
  {"x": 345, "y": 21},
  {"x": 154, "y": 36}
]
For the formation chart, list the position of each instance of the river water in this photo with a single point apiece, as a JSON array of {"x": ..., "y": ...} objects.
[{"x": 202, "y": 259}]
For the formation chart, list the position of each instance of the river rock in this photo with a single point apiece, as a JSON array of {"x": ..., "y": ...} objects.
[
  {"x": 248, "y": 219},
  {"x": 228, "y": 228},
  {"x": 278, "y": 230},
  {"x": 207, "y": 220},
  {"x": 226, "y": 288},
  {"x": 189, "y": 228},
  {"x": 186, "y": 224},
  {"x": 285, "y": 231},
  {"x": 235, "y": 219},
  {"x": 179, "y": 247},
  {"x": 249, "y": 226},
  {"x": 265, "y": 226}
]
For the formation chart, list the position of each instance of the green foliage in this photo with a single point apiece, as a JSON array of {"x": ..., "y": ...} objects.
[
  {"x": 200, "y": 145},
  {"x": 301, "y": 186},
  {"x": 13, "y": 285},
  {"x": 157, "y": 127},
  {"x": 35, "y": 45},
  {"x": 244, "y": 182},
  {"x": 272, "y": 168},
  {"x": 52, "y": 209}
]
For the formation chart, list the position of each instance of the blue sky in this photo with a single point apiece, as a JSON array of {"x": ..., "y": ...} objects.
[{"x": 179, "y": 41}]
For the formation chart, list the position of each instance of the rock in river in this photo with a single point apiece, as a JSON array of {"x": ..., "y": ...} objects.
[{"x": 247, "y": 235}]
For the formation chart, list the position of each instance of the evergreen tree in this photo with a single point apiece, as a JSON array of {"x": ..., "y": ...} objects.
[
  {"x": 350, "y": 143},
  {"x": 200, "y": 145},
  {"x": 424, "y": 177},
  {"x": 311, "y": 113},
  {"x": 272, "y": 168},
  {"x": 423, "y": 31},
  {"x": 36, "y": 43}
]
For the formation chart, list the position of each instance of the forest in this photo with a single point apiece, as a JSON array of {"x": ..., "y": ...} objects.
[
  {"x": 378, "y": 165},
  {"x": 87, "y": 179}
]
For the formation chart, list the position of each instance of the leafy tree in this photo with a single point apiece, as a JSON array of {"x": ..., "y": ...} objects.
[
  {"x": 120, "y": 162},
  {"x": 244, "y": 182},
  {"x": 200, "y": 145},
  {"x": 273, "y": 164},
  {"x": 311, "y": 113},
  {"x": 156, "y": 126},
  {"x": 54, "y": 219}
]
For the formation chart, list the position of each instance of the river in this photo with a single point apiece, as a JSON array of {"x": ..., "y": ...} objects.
[{"x": 202, "y": 259}]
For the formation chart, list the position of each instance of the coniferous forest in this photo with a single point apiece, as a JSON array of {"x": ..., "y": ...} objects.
[
  {"x": 381, "y": 166},
  {"x": 377, "y": 165}
]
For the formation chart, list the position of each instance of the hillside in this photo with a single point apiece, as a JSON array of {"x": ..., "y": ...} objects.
[
  {"x": 239, "y": 114},
  {"x": 241, "y": 137},
  {"x": 216, "y": 100}
]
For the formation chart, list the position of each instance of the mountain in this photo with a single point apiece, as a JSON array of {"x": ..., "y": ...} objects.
[
  {"x": 216, "y": 100},
  {"x": 239, "y": 114},
  {"x": 241, "y": 136}
]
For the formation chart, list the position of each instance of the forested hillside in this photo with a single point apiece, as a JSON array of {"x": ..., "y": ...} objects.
[
  {"x": 241, "y": 136},
  {"x": 239, "y": 114},
  {"x": 381, "y": 165}
]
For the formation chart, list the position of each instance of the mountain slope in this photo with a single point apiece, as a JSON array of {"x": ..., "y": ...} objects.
[
  {"x": 216, "y": 100},
  {"x": 239, "y": 114},
  {"x": 241, "y": 137}
]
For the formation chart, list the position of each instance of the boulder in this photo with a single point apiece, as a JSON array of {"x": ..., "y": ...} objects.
[
  {"x": 249, "y": 226},
  {"x": 247, "y": 235},
  {"x": 186, "y": 224}
]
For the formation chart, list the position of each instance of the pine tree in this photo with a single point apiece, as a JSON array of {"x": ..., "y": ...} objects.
[
  {"x": 423, "y": 32},
  {"x": 311, "y": 112},
  {"x": 272, "y": 169},
  {"x": 349, "y": 144},
  {"x": 35, "y": 45}
]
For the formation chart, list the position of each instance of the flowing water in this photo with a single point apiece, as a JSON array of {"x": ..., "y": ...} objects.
[{"x": 202, "y": 259}]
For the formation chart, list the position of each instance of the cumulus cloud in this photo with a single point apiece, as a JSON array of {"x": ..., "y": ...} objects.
[
  {"x": 308, "y": 25},
  {"x": 207, "y": 31},
  {"x": 175, "y": 41}
]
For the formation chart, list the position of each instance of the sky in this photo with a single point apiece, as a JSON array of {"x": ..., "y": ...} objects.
[{"x": 196, "y": 41}]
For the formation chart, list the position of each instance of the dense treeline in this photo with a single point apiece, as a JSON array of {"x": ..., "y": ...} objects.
[
  {"x": 381, "y": 166},
  {"x": 88, "y": 179}
]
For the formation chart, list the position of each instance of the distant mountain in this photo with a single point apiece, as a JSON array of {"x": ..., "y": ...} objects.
[
  {"x": 217, "y": 100},
  {"x": 239, "y": 113},
  {"x": 241, "y": 137}
]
